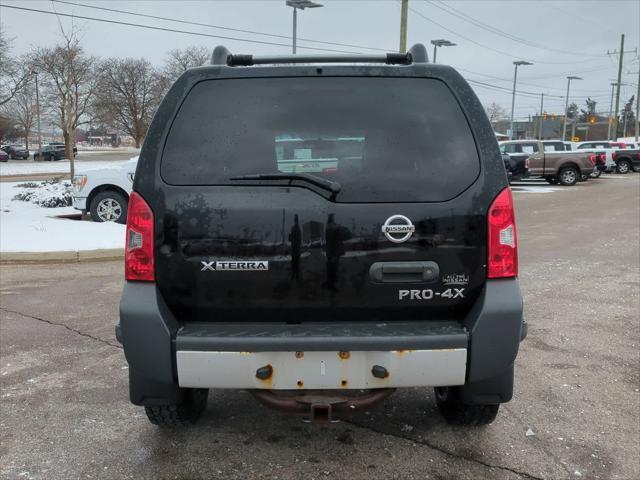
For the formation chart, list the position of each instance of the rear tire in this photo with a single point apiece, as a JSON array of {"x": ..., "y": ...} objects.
[
  {"x": 623, "y": 167},
  {"x": 188, "y": 411},
  {"x": 568, "y": 176},
  {"x": 456, "y": 412},
  {"x": 109, "y": 206}
]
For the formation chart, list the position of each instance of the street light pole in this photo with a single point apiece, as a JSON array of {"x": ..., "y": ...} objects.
[
  {"x": 34, "y": 73},
  {"x": 299, "y": 4},
  {"x": 440, "y": 43},
  {"x": 566, "y": 105},
  {"x": 517, "y": 63}
]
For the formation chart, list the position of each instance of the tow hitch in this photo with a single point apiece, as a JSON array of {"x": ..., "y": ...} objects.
[{"x": 321, "y": 406}]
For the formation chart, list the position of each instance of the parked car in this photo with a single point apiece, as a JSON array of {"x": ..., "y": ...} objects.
[
  {"x": 395, "y": 267},
  {"x": 16, "y": 152},
  {"x": 555, "y": 146},
  {"x": 626, "y": 160},
  {"x": 565, "y": 168},
  {"x": 519, "y": 159},
  {"x": 562, "y": 146},
  {"x": 104, "y": 192},
  {"x": 603, "y": 146},
  {"x": 517, "y": 167},
  {"x": 48, "y": 153},
  {"x": 61, "y": 146},
  {"x": 4, "y": 156}
]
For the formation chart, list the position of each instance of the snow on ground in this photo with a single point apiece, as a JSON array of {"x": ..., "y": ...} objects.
[
  {"x": 61, "y": 166},
  {"x": 26, "y": 227}
]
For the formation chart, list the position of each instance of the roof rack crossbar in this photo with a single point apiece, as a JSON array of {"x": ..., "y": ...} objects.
[{"x": 222, "y": 56}]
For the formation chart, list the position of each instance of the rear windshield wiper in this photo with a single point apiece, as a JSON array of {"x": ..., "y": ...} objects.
[{"x": 333, "y": 187}]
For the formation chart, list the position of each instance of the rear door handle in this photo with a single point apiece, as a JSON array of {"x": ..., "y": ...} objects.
[{"x": 404, "y": 272}]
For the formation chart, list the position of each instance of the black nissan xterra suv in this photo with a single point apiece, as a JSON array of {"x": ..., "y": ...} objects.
[{"x": 321, "y": 231}]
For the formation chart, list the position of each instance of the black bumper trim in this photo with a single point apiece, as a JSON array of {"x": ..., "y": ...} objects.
[{"x": 313, "y": 337}]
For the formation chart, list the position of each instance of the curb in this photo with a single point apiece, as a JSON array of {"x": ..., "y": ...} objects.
[{"x": 100, "y": 255}]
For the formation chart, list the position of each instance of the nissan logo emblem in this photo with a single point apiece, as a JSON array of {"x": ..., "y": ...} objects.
[{"x": 398, "y": 228}]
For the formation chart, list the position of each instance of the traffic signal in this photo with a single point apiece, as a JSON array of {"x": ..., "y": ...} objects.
[{"x": 592, "y": 119}]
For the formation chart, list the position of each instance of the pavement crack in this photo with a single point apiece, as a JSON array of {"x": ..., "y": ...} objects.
[
  {"x": 71, "y": 329},
  {"x": 445, "y": 451}
]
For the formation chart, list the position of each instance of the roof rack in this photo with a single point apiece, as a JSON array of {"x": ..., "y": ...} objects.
[{"x": 416, "y": 54}]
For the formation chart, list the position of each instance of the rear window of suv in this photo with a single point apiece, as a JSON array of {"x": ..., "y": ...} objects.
[{"x": 382, "y": 139}]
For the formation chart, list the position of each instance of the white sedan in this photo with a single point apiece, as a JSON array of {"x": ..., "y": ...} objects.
[{"x": 104, "y": 192}]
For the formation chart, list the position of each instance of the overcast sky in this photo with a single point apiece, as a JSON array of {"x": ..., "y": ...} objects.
[{"x": 559, "y": 37}]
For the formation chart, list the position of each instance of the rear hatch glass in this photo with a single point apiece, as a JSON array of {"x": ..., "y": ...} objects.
[{"x": 382, "y": 139}]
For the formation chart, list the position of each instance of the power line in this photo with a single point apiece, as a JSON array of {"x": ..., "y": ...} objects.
[
  {"x": 478, "y": 83},
  {"x": 164, "y": 29},
  {"x": 510, "y": 55},
  {"x": 496, "y": 31},
  {"x": 501, "y": 79},
  {"x": 240, "y": 30}
]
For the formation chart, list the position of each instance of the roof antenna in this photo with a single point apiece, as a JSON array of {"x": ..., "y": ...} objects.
[
  {"x": 419, "y": 53},
  {"x": 220, "y": 55}
]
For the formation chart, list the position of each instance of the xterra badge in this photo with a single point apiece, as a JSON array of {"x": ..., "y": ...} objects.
[
  {"x": 398, "y": 228},
  {"x": 234, "y": 266}
]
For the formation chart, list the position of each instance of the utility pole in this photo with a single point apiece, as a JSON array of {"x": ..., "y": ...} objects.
[
  {"x": 295, "y": 30},
  {"x": 403, "y": 25},
  {"x": 615, "y": 118},
  {"x": 637, "y": 103},
  {"x": 613, "y": 84},
  {"x": 541, "y": 114}
]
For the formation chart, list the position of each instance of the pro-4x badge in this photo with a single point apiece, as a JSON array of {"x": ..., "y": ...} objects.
[{"x": 234, "y": 266}]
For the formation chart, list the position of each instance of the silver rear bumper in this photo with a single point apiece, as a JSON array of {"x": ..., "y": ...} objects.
[{"x": 321, "y": 370}]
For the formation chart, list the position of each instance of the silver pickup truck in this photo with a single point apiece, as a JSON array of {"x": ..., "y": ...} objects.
[{"x": 565, "y": 168}]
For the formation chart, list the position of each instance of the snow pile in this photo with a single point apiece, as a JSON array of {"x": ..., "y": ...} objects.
[
  {"x": 27, "y": 227},
  {"x": 48, "y": 194}
]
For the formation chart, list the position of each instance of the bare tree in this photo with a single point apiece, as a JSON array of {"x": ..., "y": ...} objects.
[
  {"x": 495, "y": 113},
  {"x": 69, "y": 83},
  {"x": 179, "y": 60},
  {"x": 22, "y": 110},
  {"x": 128, "y": 95},
  {"x": 14, "y": 73}
]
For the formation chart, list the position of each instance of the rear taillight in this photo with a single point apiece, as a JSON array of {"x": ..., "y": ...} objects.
[
  {"x": 138, "y": 258},
  {"x": 592, "y": 159},
  {"x": 503, "y": 241},
  {"x": 613, "y": 155}
]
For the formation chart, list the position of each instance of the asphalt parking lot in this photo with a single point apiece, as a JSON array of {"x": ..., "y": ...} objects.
[{"x": 64, "y": 410}]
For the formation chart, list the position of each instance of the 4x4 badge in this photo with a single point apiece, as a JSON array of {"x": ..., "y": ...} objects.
[{"x": 398, "y": 228}]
